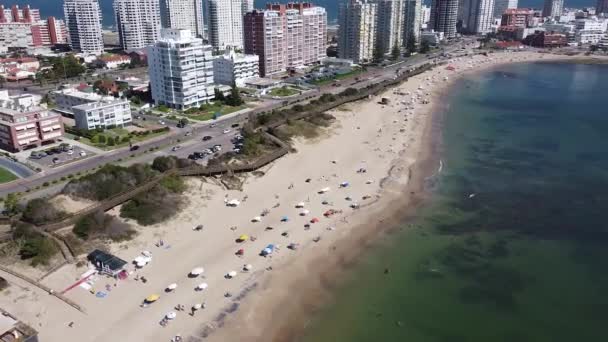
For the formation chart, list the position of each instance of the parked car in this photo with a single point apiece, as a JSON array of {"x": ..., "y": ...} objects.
[
  {"x": 226, "y": 131},
  {"x": 207, "y": 138},
  {"x": 55, "y": 160},
  {"x": 83, "y": 154},
  {"x": 175, "y": 148},
  {"x": 188, "y": 134},
  {"x": 134, "y": 148},
  {"x": 70, "y": 152},
  {"x": 235, "y": 125}
]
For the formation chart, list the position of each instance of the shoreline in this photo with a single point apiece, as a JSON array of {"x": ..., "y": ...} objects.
[
  {"x": 397, "y": 207},
  {"x": 276, "y": 300}
]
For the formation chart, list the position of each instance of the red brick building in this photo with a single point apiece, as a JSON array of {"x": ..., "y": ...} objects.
[
  {"x": 286, "y": 36},
  {"x": 546, "y": 39},
  {"x": 23, "y": 124},
  {"x": 517, "y": 17}
]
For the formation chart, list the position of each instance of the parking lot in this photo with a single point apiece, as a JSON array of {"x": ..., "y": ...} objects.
[
  {"x": 221, "y": 136},
  {"x": 59, "y": 155}
]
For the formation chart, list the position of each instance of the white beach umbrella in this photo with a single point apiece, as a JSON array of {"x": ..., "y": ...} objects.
[
  {"x": 140, "y": 264},
  {"x": 171, "y": 315},
  {"x": 257, "y": 219},
  {"x": 305, "y": 212},
  {"x": 197, "y": 306},
  {"x": 202, "y": 286},
  {"x": 248, "y": 267},
  {"x": 300, "y": 205},
  {"x": 197, "y": 271},
  {"x": 172, "y": 286},
  {"x": 232, "y": 274}
]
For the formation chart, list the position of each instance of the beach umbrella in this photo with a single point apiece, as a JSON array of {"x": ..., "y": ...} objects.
[
  {"x": 314, "y": 220},
  {"x": 240, "y": 252},
  {"x": 256, "y": 219},
  {"x": 243, "y": 238},
  {"x": 248, "y": 267},
  {"x": 147, "y": 254},
  {"x": 305, "y": 212},
  {"x": 284, "y": 219},
  {"x": 344, "y": 184},
  {"x": 202, "y": 286},
  {"x": 197, "y": 271},
  {"x": 171, "y": 315},
  {"x": 172, "y": 287},
  {"x": 152, "y": 298},
  {"x": 324, "y": 190},
  {"x": 197, "y": 306},
  {"x": 140, "y": 264},
  {"x": 231, "y": 274},
  {"x": 300, "y": 205}
]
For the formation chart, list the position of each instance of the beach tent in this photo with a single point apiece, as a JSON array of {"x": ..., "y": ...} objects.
[
  {"x": 243, "y": 238},
  {"x": 248, "y": 267},
  {"x": 152, "y": 298},
  {"x": 171, "y": 315},
  {"x": 202, "y": 286},
  {"x": 172, "y": 287},
  {"x": 197, "y": 271}
]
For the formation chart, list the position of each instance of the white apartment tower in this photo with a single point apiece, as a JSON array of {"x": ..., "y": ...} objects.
[
  {"x": 500, "y": 6},
  {"x": 226, "y": 22},
  {"x": 390, "y": 24},
  {"x": 183, "y": 14},
  {"x": 444, "y": 14},
  {"x": 477, "y": 16},
  {"x": 138, "y": 23},
  {"x": 412, "y": 19},
  {"x": 553, "y": 8},
  {"x": 181, "y": 70},
  {"x": 357, "y": 30},
  {"x": 83, "y": 20}
]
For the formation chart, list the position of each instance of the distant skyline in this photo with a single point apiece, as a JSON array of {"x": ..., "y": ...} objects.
[{"x": 55, "y": 7}]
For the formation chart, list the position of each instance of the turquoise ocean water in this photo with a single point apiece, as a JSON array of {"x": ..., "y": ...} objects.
[{"x": 525, "y": 258}]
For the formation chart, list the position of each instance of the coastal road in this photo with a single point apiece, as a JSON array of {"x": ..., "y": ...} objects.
[
  {"x": 373, "y": 75},
  {"x": 17, "y": 169}
]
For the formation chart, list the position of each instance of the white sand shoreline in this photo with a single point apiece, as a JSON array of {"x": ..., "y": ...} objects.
[{"x": 370, "y": 136}]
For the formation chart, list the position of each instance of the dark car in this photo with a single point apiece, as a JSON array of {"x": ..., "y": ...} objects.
[
  {"x": 235, "y": 125},
  {"x": 134, "y": 148},
  {"x": 207, "y": 138},
  {"x": 192, "y": 156}
]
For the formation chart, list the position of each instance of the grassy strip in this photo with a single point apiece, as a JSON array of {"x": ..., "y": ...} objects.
[
  {"x": 209, "y": 111},
  {"x": 6, "y": 176}
]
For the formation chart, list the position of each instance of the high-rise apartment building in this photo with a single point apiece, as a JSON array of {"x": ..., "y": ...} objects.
[
  {"x": 413, "y": 16},
  {"x": 477, "y": 16},
  {"x": 553, "y": 8},
  {"x": 357, "y": 30},
  {"x": 286, "y": 36},
  {"x": 390, "y": 25},
  {"x": 181, "y": 70},
  {"x": 601, "y": 7},
  {"x": 226, "y": 22},
  {"x": 517, "y": 17},
  {"x": 444, "y": 14},
  {"x": 183, "y": 14},
  {"x": 138, "y": 23},
  {"x": 83, "y": 20},
  {"x": 22, "y": 28},
  {"x": 500, "y": 6}
]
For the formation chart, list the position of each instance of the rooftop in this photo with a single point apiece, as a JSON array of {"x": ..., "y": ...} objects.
[{"x": 12, "y": 329}]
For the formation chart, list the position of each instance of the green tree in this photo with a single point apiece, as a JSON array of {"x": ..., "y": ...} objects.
[
  {"x": 2, "y": 81},
  {"x": 68, "y": 66},
  {"x": 378, "y": 54},
  {"x": 101, "y": 138},
  {"x": 235, "y": 97},
  {"x": 396, "y": 52},
  {"x": 425, "y": 47},
  {"x": 219, "y": 96},
  {"x": 411, "y": 45},
  {"x": 11, "y": 204}
]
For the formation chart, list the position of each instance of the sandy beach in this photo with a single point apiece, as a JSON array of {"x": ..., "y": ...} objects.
[{"x": 371, "y": 164}]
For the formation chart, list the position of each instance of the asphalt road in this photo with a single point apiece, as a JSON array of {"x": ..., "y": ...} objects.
[
  {"x": 190, "y": 143},
  {"x": 18, "y": 169}
]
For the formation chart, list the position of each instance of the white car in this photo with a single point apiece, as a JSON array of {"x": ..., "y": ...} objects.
[
  {"x": 83, "y": 154},
  {"x": 226, "y": 131},
  {"x": 70, "y": 152}
]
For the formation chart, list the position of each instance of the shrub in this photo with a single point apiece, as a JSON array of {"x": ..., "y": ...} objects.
[
  {"x": 111, "y": 141},
  {"x": 164, "y": 163},
  {"x": 174, "y": 184},
  {"x": 152, "y": 207},
  {"x": 101, "y": 138},
  {"x": 102, "y": 225},
  {"x": 45, "y": 184},
  {"x": 63, "y": 178},
  {"x": 39, "y": 211},
  {"x": 34, "y": 245},
  {"x": 126, "y": 139}
]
